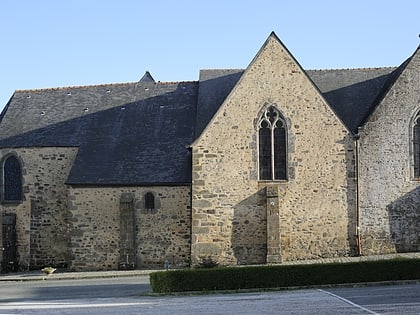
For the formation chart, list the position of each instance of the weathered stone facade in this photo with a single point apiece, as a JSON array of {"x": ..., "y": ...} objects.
[
  {"x": 316, "y": 203},
  {"x": 160, "y": 234},
  {"x": 41, "y": 216},
  {"x": 132, "y": 175},
  {"x": 79, "y": 228},
  {"x": 389, "y": 193}
]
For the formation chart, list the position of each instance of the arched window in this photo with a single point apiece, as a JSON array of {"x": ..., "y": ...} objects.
[
  {"x": 272, "y": 149},
  {"x": 149, "y": 201},
  {"x": 12, "y": 180},
  {"x": 416, "y": 145}
]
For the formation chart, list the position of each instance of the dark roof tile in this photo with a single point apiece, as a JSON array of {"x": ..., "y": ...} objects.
[
  {"x": 214, "y": 87},
  {"x": 139, "y": 142},
  {"x": 138, "y": 133},
  {"x": 351, "y": 92}
]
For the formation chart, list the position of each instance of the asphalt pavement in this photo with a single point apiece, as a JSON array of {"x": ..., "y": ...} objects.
[
  {"x": 129, "y": 292},
  {"x": 65, "y": 275},
  {"x": 401, "y": 299}
]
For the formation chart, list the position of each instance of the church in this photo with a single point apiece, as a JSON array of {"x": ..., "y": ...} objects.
[{"x": 263, "y": 165}]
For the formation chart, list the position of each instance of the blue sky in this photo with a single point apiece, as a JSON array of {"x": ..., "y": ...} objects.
[{"x": 53, "y": 43}]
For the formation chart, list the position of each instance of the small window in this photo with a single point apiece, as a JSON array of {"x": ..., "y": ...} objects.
[
  {"x": 416, "y": 145},
  {"x": 12, "y": 180},
  {"x": 272, "y": 149},
  {"x": 149, "y": 201}
]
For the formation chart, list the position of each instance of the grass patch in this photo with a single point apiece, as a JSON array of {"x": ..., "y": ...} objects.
[{"x": 280, "y": 276}]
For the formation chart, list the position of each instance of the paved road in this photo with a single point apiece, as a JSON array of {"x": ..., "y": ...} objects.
[
  {"x": 51, "y": 289},
  {"x": 126, "y": 296},
  {"x": 397, "y": 299}
]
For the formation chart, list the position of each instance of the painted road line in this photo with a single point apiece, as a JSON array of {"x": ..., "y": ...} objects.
[{"x": 348, "y": 302}]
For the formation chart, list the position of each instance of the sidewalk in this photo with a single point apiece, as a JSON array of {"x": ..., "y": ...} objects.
[{"x": 65, "y": 275}]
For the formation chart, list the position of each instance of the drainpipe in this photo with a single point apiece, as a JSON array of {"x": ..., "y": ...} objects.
[{"x": 358, "y": 237}]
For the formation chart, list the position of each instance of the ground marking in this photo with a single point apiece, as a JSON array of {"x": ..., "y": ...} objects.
[{"x": 348, "y": 302}]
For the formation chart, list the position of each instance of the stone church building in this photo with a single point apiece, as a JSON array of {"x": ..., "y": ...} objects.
[{"x": 268, "y": 164}]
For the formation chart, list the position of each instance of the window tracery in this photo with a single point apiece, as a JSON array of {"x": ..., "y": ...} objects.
[{"x": 272, "y": 149}]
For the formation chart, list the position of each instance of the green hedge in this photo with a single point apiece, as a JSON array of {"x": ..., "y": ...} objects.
[{"x": 252, "y": 277}]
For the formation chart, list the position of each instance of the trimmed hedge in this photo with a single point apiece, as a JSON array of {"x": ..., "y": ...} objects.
[{"x": 280, "y": 276}]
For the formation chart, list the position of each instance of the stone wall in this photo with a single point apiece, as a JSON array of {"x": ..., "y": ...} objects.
[
  {"x": 161, "y": 233},
  {"x": 316, "y": 205},
  {"x": 389, "y": 195},
  {"x": 41, "y": 216}
]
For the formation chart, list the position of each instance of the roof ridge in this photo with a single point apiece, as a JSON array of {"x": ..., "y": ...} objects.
[
  {"x": 94, "y": 86},
  {"x": 72, "y": 87},
  {"x": 359, "y": 68},
  {"x": 176, "y": 82},
  {"x": 326, "y": 69},
  {"x": 218, "y": 69}
]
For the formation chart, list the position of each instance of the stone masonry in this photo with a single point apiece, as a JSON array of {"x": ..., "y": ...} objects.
[
  {"x": 94, "y": 227},
  {"x": 316, "y": 205},
  {"x": 131, "y": 176},
  {"x": 390, "y": 196},
  {"x": 41, "y": 217}
]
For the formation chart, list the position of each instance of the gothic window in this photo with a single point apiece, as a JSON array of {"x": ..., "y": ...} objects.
[
  {"x": 149, "y": 201},
  {"x": 272, "y": 149},
  {"x": 12, "y": 180},
  {"x": 416, "y": 145}
]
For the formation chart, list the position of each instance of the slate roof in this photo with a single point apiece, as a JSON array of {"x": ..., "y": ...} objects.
[
  {"x": 352, "y": 93},
  {"x": 130, "y": 134},
  {"x": 215, "y": 86},
  {"x": 138, "y": 133}
]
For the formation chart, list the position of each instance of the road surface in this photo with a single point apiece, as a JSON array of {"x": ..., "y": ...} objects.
[{"x": 130, "y": 296}]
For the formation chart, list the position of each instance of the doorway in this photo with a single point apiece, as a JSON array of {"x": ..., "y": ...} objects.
[{"x": 9, "y": 262}]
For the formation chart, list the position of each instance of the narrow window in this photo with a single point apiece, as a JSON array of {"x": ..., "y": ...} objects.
[
  {"x": 149, "y": 201},
  {"x": 416, "y": 145},
  {"x": 265, "y": 151},
  {"x": 12, "y": 180},
  {"x": 272, "y": 145}
]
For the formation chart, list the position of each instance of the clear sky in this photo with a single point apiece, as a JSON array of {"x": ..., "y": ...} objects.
[{"x": 55, "y": 43}]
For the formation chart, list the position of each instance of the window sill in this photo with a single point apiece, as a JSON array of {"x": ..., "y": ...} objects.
[{"x": 270, "y": 181}]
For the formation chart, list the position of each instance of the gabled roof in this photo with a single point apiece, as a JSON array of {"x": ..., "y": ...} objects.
[
  {"x": 392, "y": 79},
  {"x": 214, "y": 87},
  {"x": 137, "y": 133},
  {"x": 141, "y": 141},
  {"x": 352, "y": 93}
]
